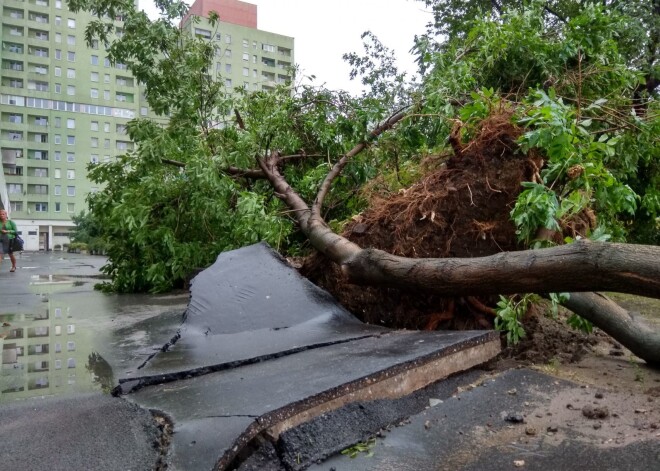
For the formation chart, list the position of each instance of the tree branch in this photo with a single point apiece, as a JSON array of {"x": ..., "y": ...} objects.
[{"x": 341, "y": 163}]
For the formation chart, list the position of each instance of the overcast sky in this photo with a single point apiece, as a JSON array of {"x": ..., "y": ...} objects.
[{"x": 326, "y": 29}]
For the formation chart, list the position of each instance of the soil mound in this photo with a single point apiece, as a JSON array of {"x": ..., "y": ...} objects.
[{"x": 460, "y": 209}]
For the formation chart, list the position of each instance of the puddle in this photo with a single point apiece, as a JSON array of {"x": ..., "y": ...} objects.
[{"x": 61, "y": 337}]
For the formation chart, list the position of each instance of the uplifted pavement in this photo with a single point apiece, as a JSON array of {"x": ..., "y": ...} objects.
[{"x": 262, "y": 350}]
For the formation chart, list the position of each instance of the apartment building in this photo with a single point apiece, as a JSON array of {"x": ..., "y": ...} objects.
[
  {"x": 63, "y": 105},
  {"x": 245, "y": 56}
]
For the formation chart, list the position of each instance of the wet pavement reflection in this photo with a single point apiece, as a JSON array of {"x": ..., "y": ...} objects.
[{"x": 59, "y": 336}]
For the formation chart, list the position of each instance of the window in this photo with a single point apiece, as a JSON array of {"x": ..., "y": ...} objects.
[
  {"x": 16, "y": 83},
  {"x": 254, "y": 59},
  {"x": 41, "y": 120},
  {"x": 40, "y": 69},
  {"x": 15, "y": 48},
  {"x": 58, "y": 54},
  {"x": 106, "y": 127},
  {"x": 71, "y": 123},
  {"x": 16, "y": 205},
  {"x": 15, "y": 188},
  {"x": 94, "y": 92},
  {"x": 70, "y": 208},
  {"x": 228, "y": 38},
  {"x": 246, "y": 43},
  {"x": 71, "y": 40},
  {"x": 71, "y": 140},
  {"x": 70, "y": 346},
  {"x": 70, "y": 174},
  {"x": 143, "y": 111},
  {"x": 58, "y": 20},
  {"x": 13, "y": 65},
  {"x": 254, "y": 73},
  {"x": 106, "y": 78},
  {"x": 58, "y": 364},
  {"x": 95, "y": 142},
  {"x": 57, "y": 139},
  {"x": 267, "y": 48},
  {"x": 40, "y": 52},
  {"x": 16, "y": 118},
  {"x": 246, "y": 56},
  {"x": 57, "y": 190},
  {"x": 228, "y": 53},
  {"x": 58, "y": 157},
  {"x": 71, "y": 23},
  {"x": 106, "y": 62},
  {"x": 71, "y": 191},
  {"x": 58, "y": 71},
  {"x": 70, "y": 89},
  {"x": 202, "y": 33},
  {"x": 58, "y": 122},
  {"x": 94, "y": 125},
  {"x": 71, "y": 73},
  {"x": 58, "y": 37},
  {"x": 15, "y": 31},
  {"x": 228, "y": 83},
  {"x": 106, "y": 143},
  {"x": 71, "y": 56},
  {"x": 58, "y": 172},
  {"x": 58, "y": 207},
  {"x": 71, "y": 363},
  {"x": 95, "y": 60},
  {"x": 58, "y": 4},
  {"x": 228, "y": 68},
  {"x": 58, "y": 88},
  {"x": 246, "y": 72},
  {"x": 106, "y": 94},
  {"x": 41, "y": 207},
  {"x": 94, "y": 158},
  {"x": 95, "y": 45},
  {"x": 70, "y": 157}
]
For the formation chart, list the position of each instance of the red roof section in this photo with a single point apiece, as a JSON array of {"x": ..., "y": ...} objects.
[{"x": 229, "y": 11}]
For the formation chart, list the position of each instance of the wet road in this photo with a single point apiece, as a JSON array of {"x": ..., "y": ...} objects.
[{"x": 59, "y": 336}]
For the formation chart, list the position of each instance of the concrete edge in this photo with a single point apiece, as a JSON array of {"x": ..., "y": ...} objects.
[{"x": 392, "y": 383}]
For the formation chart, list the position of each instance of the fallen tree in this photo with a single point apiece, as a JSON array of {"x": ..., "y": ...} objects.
[{"x": 544, "y": 161}]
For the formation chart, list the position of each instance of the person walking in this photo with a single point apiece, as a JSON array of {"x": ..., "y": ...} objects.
[{"x": 7, "y": 233}]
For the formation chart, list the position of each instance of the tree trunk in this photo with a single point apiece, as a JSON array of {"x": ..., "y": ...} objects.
[{"x": 631, "y": 331}]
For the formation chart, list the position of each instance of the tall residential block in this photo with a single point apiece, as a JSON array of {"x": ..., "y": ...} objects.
[{"x": 63, "y": 105}]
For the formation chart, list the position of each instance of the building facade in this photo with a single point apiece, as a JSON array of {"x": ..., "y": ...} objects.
[
  {"x": 246, "y": 57},
  {"x": 64, "y": 105}
]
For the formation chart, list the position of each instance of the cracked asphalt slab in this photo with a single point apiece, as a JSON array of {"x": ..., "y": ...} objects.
[{"x": 262, "y": 349}]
